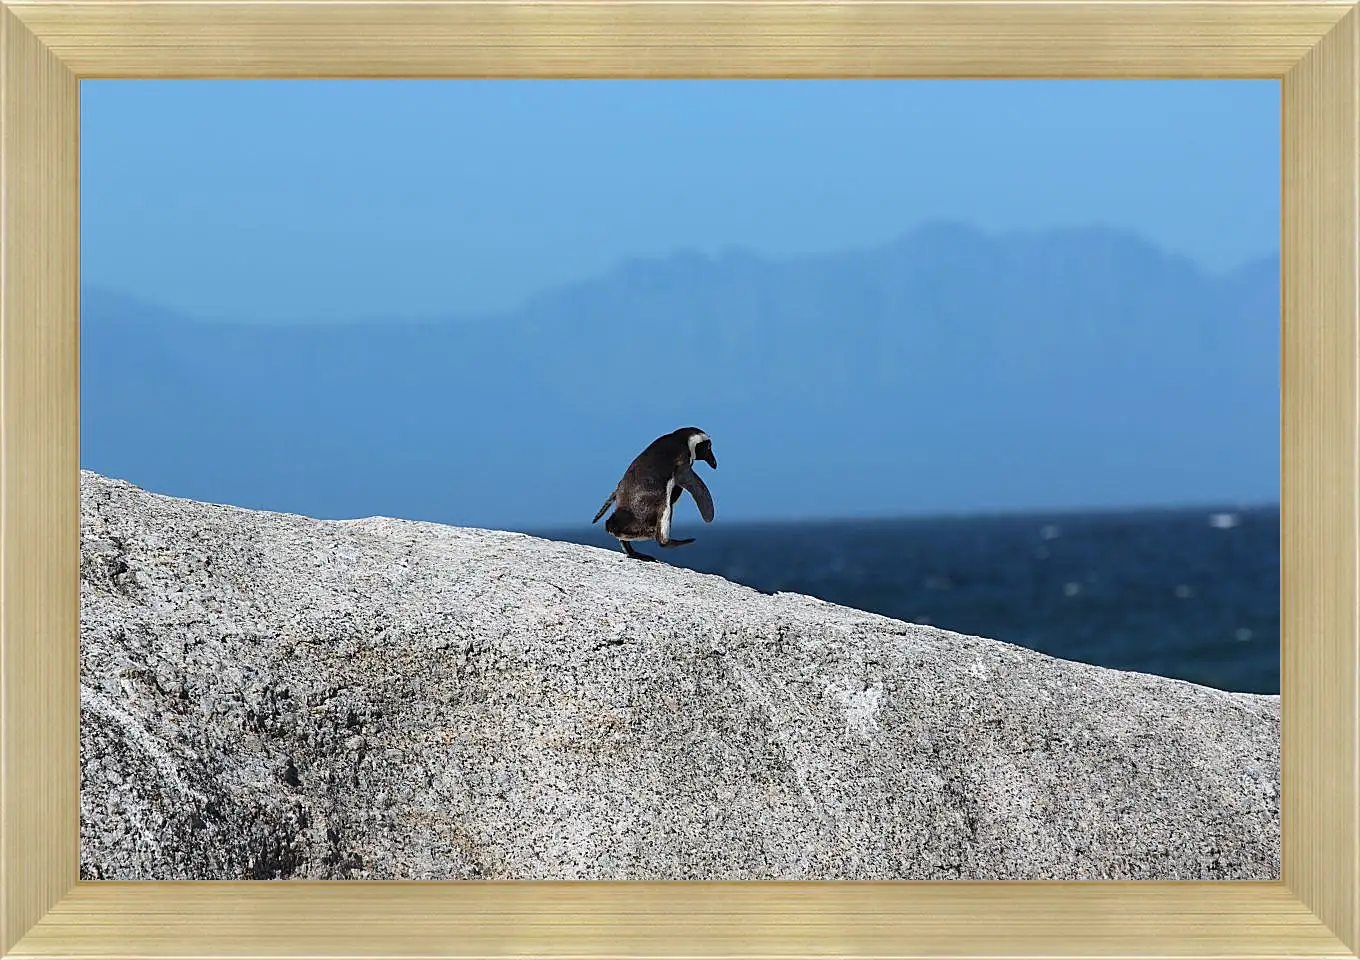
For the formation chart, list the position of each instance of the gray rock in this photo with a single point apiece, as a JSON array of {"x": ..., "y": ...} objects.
[{"x": 266, "y": 695}]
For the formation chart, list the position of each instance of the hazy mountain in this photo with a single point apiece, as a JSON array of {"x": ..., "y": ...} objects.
[{"x": 948, "y": 371}]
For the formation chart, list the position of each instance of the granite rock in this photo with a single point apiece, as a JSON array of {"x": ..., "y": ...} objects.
[{"x": 267, "y": 696}]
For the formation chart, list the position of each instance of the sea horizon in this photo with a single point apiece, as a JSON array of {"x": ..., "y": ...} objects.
[{"x": 683, "y": 515}]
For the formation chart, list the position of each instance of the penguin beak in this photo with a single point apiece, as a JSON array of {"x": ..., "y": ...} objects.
[{"x": 711, "y": 460}]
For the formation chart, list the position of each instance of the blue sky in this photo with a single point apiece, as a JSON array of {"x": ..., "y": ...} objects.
[
  {"x": 1084, "y": 368},
  {"x": 255, "y": 200}
]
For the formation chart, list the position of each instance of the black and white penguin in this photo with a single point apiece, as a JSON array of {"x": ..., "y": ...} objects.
[{"x": 653, "y": 483}]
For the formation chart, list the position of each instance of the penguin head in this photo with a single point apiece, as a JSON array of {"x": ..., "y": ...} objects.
[{"x": 700, "y": 446}]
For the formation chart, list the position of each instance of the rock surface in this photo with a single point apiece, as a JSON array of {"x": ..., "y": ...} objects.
[{"x": 267, "y": 695}]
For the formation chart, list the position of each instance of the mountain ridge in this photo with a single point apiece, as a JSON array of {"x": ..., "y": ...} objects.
[
  {"x": 1078, "y": 365},
  {"x": 738, "y": 253}
]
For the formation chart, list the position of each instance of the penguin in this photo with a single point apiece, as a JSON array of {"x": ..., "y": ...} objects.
[{"x": 652, "y": 484}]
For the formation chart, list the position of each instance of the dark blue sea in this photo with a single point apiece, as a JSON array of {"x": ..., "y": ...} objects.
[{"x": 1186, "y": 593}]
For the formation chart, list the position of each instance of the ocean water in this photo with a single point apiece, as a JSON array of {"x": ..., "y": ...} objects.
[{"x": 1186, "y": 593}]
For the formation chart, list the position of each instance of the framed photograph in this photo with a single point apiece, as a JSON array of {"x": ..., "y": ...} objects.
[{"x": 387, "y": 719}]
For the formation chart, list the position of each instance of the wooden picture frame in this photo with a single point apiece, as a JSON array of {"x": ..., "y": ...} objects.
[{"x": 47, "y": 46}]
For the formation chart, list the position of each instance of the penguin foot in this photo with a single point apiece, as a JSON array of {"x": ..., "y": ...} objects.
[
  {"x": 675, "y": 543},
  {"x": 628, "y": 549}
]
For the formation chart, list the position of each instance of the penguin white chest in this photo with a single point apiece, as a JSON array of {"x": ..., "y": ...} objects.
[{"x": 664, "y": 524}]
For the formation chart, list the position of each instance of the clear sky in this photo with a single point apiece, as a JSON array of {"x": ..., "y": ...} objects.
[{"x": 254, "y": 200}]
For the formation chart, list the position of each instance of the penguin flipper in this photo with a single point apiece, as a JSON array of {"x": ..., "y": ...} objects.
[
  {"x": 692, "y": 482},
  {"x": 606, "y": 506}
]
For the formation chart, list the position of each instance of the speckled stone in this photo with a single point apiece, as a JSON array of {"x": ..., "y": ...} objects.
[{"x": 267, "y": 695}]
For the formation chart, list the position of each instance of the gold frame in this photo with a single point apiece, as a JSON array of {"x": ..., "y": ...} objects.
[{"x": 46, "y": 46}]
